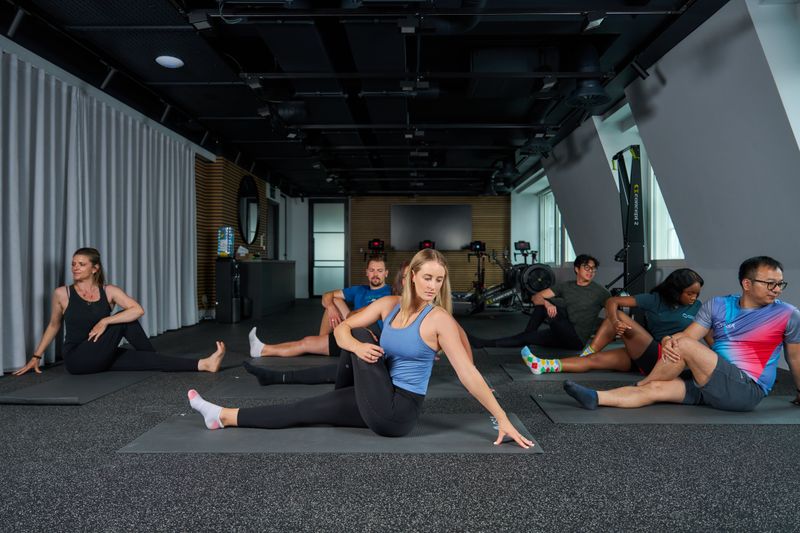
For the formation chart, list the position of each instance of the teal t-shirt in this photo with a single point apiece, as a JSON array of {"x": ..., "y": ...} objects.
[{"x": 662, "y": 319}]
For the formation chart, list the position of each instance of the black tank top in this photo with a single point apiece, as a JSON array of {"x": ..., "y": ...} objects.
[{"x": 81, "y": 316}]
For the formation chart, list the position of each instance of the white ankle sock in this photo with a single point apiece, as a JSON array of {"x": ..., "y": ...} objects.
[
  {"x": 255, "y": 344},
  {"x": 209, "y": 411}
]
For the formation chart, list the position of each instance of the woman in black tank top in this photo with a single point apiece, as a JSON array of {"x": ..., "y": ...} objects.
[{"x": 93, "y": 334}]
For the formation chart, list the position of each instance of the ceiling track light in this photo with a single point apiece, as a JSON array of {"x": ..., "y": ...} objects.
[{"x": 593, "y": 20}]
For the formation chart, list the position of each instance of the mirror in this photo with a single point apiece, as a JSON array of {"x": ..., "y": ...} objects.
[{"x": 248, "y": 209}]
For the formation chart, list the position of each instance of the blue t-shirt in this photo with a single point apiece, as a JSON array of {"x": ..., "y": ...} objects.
[
  {"x": 751, "y": 339},
  {"x": 362, "y": 295},
  {"x": 663, "y": 319}
]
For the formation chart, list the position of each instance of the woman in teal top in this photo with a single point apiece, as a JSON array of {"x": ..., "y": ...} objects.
[
  {"x": 382, "y": 386},
  {"x": 670, "y": 307}
]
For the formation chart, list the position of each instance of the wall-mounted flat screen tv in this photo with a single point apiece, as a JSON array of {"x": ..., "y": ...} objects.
[{"x": 448, "y": 226}]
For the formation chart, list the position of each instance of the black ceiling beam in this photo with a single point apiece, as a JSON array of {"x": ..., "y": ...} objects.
[
  {"x": 399, "y": 127},
  {"x": 261, "y": 13},
  {"x": 404, "y": 75},
  {"x": 193, "y": 83},
  {"x": 405, "y": 127},
  {"x": 408, "y": 147},
  {"x": 413, "y": 169},
  {"x": 421, "y": 178},
  {"x": 143, "y": 27}
]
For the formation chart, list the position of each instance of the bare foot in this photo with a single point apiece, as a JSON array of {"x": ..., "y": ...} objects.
[{"x": 213, "y": 361}]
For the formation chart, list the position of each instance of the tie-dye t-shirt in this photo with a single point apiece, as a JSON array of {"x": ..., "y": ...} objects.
[{"x": 751, "y": 339}]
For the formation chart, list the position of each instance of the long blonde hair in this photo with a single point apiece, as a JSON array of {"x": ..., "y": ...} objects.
[{"x": 408, "y": 300}]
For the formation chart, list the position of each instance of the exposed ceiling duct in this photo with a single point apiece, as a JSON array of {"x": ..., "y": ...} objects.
[{"x": 589, "y": 92}]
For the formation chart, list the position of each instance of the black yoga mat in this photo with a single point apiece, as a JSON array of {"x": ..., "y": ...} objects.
[
  {"x": 74, "y": 390},
  {"x": 248, "y": 387},
  {"x": 563, "y": 409},
  {"x": 458, "y": 433},
  {"x": 520, "y": 372}
]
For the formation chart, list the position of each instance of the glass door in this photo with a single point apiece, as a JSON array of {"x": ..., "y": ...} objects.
[{"x": 328, "y": 250}]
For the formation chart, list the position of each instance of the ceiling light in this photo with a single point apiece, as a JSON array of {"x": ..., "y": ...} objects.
[
  {"x": 593, "y": 20},
  {"x": 199, "y": 19},
  {"x": 408, "y": 25},
  {"x": 329, "y": 179},
  {"x": 169, "y": 61},
  {"x": 548, "y": 83}
]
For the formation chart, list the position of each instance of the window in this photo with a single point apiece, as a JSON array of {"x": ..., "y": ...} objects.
[
  {"x": 664, "y": 242},
  {"x": 555, "y": 246}
]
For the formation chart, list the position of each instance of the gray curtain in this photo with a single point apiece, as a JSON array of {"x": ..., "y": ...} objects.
[{"x": 77, "y": 171}]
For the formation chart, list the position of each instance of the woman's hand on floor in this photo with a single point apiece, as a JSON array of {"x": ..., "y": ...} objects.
[
  {"x": 506, "y": 428},
  {"x": 32, "y": 364}
]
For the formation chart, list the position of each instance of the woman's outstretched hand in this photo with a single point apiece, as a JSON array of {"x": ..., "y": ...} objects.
[
  {"x": 369, "y": 352},
  {"x": 506, "y": 428},
  {"x": 32, "y": 364}
]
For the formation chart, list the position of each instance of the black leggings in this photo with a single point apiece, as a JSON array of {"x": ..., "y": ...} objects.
[
  {"x": 364, "y": 396},
  {"x": 561, "y": 333},
  {"x": 90, "y": 357}
]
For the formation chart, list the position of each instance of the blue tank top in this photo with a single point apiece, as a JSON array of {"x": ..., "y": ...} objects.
[{"x": 407, "y": 356}]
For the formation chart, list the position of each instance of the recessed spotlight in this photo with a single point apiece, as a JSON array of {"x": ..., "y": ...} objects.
[{"x": 169, "y": 61}]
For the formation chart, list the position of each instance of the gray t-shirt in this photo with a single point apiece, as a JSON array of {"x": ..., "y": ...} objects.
[{"x": 583, "y": 303}]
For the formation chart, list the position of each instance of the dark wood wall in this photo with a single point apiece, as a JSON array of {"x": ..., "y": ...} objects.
[
  {"x": 217, "y": 188},
  {"x": 491, "y": 223}
]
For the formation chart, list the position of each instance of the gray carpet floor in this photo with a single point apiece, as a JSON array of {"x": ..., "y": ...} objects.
[{"x": 60, "y": 468}]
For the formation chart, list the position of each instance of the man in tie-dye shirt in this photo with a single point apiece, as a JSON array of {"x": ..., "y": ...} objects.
[{"x": 748, "y": 331}]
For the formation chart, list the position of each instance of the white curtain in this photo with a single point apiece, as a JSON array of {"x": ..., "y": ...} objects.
[{"x": 76, "y": 172}]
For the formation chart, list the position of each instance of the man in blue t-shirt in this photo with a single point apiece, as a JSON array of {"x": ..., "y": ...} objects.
[
  {"x": 338, "y": 305},
  {"x": 738, "y": 370}
]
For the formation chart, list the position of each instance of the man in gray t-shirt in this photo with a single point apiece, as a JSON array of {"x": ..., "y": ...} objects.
[{"x": 570, "y": 308}]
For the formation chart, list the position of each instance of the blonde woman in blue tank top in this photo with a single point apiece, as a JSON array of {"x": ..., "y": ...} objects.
[{"x": 382, "y": 386}]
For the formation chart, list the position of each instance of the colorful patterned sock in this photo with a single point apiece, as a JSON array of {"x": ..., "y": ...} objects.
[
  {"x": 587, "y": 351},
  {"x": 538, "y": 365}
]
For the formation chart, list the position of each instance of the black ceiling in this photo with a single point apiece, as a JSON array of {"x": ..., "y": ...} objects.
[{"x": 364, "y": 96}]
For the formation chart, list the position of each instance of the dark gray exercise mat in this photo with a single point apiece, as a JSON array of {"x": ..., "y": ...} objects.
[
  {"x": 458, "y": 433},
  {"x": 248, "y": 387},
  {"x": 563, "y": 409},
  {"x": 74, "y": 390},
  {"x": 520, "y": 372}
]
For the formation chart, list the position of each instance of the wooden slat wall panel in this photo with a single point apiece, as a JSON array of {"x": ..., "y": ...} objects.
[
  {"x": 217, "y": 188},
  {"x": 491, "y": 223}
]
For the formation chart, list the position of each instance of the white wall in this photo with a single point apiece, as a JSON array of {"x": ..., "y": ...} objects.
[
  {"x": 524, "y": 221},
  {"x": 778, "y": 29},
  {"x": 586, "y": 193},
  {"x": 722, "y": 146}
]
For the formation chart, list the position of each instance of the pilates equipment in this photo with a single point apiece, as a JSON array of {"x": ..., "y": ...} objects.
[{"x": 632, "y": 208}]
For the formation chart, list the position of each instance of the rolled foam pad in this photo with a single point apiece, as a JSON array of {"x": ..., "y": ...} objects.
[
  {"x": 521, "y": 373},
  {"x": 74, "y": 389},
  {"x": 454, "y": 433},
  {"x": 562, "y": 409}
]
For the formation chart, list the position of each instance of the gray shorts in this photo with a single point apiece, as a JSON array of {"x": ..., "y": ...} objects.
[{"x": 728, "y": 389}]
